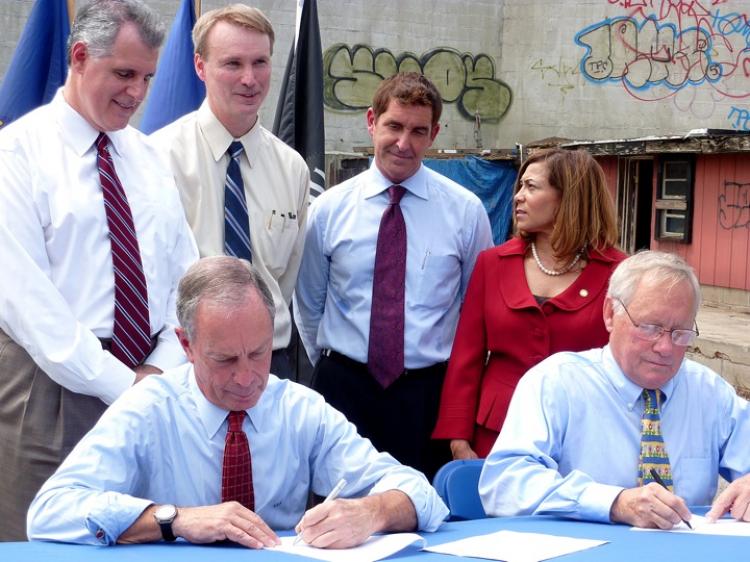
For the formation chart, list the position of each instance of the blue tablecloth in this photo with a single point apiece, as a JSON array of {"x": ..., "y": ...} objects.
[{"x": 624, "y": 545}]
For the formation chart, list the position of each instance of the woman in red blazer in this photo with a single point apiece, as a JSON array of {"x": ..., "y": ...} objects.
[{"x": 537, "y": 294}]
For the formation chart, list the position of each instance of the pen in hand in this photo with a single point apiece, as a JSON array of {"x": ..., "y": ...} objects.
[
  {"x": 329, "y": 498},
  {"x": 658, "y": 480}
]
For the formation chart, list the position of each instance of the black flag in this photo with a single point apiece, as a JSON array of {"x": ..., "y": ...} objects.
[{"x": 299, "y": 112}]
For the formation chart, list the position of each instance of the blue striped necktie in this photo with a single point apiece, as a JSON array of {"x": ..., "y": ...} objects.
[
  {"x": 236, "y": 220},
  {"x": 653, "y": 451},
  {"x": 131, "y": 333}
]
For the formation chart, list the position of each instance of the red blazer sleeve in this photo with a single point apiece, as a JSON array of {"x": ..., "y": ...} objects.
[{"x": 460, "y": 396}]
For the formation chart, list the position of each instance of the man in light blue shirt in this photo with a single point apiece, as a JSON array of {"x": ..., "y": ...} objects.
[
  {"x": 446, "y": 228},
  {"x": 570, "y": 444},
  {"x": 152, "y": 467}
]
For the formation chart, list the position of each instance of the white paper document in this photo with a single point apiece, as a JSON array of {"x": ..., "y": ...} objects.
[
  {"x": 375, "y": 548},
  {"x": 702, "y": 526},
  {"x": 512, "y": 546}
]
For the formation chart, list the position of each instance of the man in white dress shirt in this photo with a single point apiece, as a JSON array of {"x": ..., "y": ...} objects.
[
  {"x": 65, "y": 327},
  {"x": 233, "y": 47}
]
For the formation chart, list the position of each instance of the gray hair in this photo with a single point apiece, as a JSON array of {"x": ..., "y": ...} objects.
[
  {"x": 659, "y": 267},
  {"x": 98, "y": 23},
  {"x": 221, "y": 280}
]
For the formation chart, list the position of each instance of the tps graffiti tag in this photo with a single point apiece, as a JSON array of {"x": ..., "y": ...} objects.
[
  {"x": 734, "y": 205},
  {"x": 352, "y": 74}
]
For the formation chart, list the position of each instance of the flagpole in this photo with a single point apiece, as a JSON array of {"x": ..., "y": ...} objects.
[
  {"x": 197, "y": 8},
  {"x": 71, "y": 10}
]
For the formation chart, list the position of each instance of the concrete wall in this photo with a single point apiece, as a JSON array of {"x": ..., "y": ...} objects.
[{"x": 584, "y": 69}]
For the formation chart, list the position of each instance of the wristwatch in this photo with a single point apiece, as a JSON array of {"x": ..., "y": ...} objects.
[{"x": 165, "y": 515}]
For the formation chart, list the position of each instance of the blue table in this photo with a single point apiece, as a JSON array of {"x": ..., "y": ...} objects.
[{"x": 624, "y": 545}]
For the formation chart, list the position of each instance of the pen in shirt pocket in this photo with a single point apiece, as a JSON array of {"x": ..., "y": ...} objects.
[{"x": 427, "y": 254}]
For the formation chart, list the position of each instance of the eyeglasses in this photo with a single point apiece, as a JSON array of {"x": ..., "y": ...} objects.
[{"x": 652, "y": 332}]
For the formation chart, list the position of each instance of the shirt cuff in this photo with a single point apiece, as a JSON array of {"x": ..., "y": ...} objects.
[
  {"x": 595, "y": 502},
  {"x": 112, "y": 514},
  {"x": 430, "y": 509},
  {"x": 168, "y": 352},
  {"x": 116, "y": 379}
]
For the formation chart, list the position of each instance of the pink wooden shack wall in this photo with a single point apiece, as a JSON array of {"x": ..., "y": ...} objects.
[{"x": 720, "y": 247}]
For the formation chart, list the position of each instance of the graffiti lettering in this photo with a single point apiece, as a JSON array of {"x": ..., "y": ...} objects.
[
  {"x": 560, "y": 75},
  {"x": 646, "y": 54},
  {"x": 352, "y": 74},
  {"x": 663, "y": 47},
  {"x": 734, "y": 205},
  {"x": 741, "y": 118}
]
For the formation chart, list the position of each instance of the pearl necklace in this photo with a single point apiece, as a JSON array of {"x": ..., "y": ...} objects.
[{"x": 554, "y": 272}]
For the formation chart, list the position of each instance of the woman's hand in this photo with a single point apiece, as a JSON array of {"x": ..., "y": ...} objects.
[{"x": 462, "y": 450}]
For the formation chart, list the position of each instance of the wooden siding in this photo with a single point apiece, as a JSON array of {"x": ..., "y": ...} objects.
[{"x": 720, "y": 246}]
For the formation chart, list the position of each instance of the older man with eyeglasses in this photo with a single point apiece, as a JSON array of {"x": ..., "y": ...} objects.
[{"x": 631, "y": 433}]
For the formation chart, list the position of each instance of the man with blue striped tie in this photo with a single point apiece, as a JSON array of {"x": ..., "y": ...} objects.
[
  {"x": 245, "y": 192},
  {"x": 631, "y": 433}
]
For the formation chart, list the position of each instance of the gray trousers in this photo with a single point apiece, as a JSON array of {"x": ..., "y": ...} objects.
[{"x": 40, "y": 423}]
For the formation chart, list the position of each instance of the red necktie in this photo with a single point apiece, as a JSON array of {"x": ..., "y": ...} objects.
[
  {"x": 385, "y": 356},
  {"x": 131, "y": 333},
  {"x": 237, "y": 470}
]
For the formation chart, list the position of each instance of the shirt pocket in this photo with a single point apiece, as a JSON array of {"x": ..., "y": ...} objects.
[
  {"x": 275, "y": 239},
  {"x": 439, "y": 281},
  {"x": 695, "y": 479}
]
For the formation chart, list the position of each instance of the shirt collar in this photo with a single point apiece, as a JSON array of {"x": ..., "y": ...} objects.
[
  {"x": 627, "y": 389},
  {"x": 219, "y": 139},
  {"x": 213, "y": 417},
  {"x": 378, "y": 183},
  {"x": 78, "y": 132}
]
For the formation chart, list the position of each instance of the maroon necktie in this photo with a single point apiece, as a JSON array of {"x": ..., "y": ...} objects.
[
  {"x": 131, "y": 333},
  {"x": 385, "y": 356},
  {"x": 237, "y": 469}
]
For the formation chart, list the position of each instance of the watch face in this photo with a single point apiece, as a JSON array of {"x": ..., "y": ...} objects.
[{"x": 165, "y": 513}]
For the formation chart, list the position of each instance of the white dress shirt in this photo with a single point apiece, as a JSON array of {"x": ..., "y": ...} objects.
[
  {"x": 446, "y": 228},
  {"x": 277, "y": 186},
  {"x": 571, "y": 440},
  {"x": 57, "y": 282},
  {"x": 163, "y": 442}
]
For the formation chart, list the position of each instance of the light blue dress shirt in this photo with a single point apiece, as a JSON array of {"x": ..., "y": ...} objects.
[
  {"x": 571, "y": 440},
  {"x": 446, "y": 228},
  {"x": 163, "y": 442}
]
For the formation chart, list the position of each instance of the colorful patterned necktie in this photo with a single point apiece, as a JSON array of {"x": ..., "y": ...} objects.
[
  {"x": 385, "y": 356},
  {"x": 653, "y": 451},
  {"x": 236, "y": 219},
  {"x": 237, "y": 469},
  {"x": 131, "y": 333}
]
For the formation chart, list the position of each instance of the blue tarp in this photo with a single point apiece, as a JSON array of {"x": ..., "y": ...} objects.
[{"x": 492, "y": 181}]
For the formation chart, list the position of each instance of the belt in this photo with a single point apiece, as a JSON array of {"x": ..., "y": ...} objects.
[
  {"x": 351, "y": 363},
  {"x": 107, "y": 343}
]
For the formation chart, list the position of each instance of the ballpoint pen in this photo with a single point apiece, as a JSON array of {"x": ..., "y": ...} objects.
[
  {"x": 658, "y": 480},
  {"x": 329, "y": 498}
]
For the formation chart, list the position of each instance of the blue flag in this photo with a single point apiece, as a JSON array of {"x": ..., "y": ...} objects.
[
  {"x": 299, "y": 112},
  {"x": 39, "y": 64},
  {"x": 177, "y": 90}
]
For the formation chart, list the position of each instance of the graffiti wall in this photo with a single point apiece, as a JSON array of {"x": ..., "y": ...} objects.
[
  {"x": 660, "y": 49},
  {"x": 516, "y": 71},
  {"x": 352, "y": 74}
]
